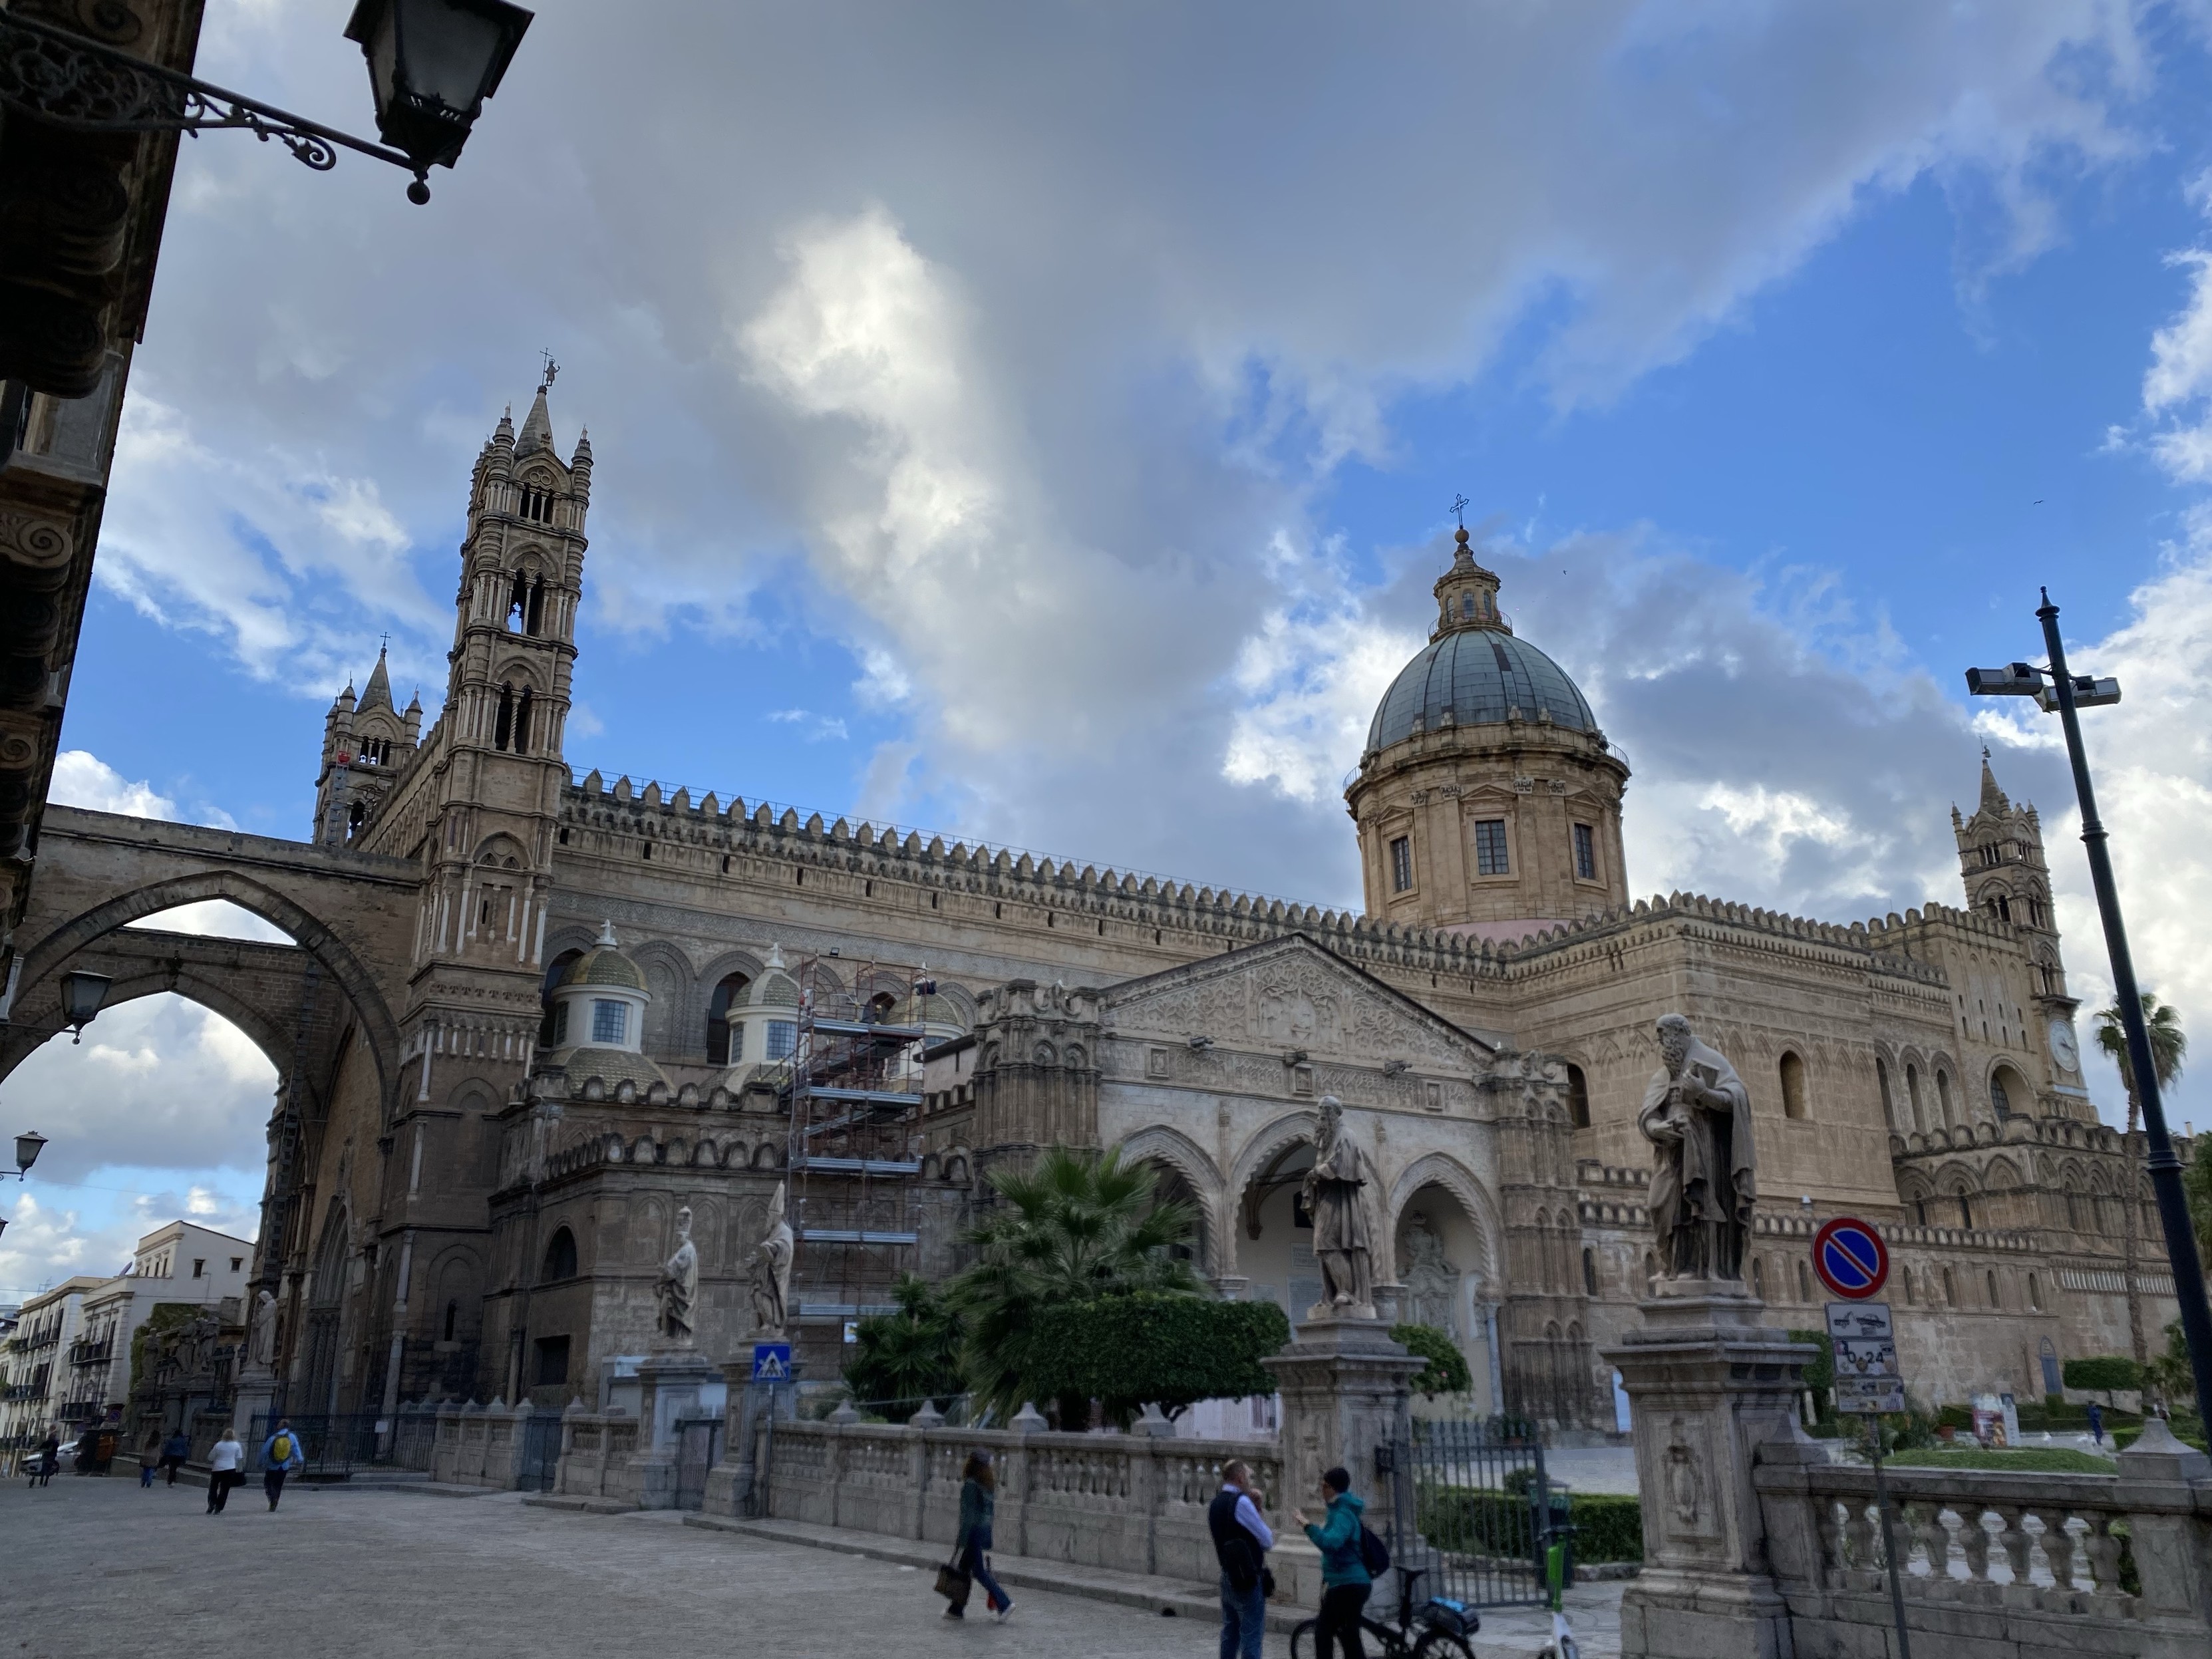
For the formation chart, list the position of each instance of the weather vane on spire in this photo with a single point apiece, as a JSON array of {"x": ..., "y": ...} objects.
[
  {"x": 552, "y": 368},
  {"x": 1460, "y": 505}
]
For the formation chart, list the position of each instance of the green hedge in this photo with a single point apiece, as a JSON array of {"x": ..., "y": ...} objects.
[
  {"x": 2106, "y": 1372},
  {"x": 1127, "y": 1350},
  {"x": 1470, "y": 1520}
]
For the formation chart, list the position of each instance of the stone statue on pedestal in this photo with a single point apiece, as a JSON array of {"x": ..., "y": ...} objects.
[
  {"x": 678, "y": 1289},
  {"x": 1704, "y": 1183},
  {"x": 261, "y": 1351},
  {"x": 771, "y": 1273},
  {"x": 1338, "y": 1194}
]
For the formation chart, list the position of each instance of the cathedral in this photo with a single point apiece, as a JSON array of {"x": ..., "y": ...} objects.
[{"x": 601, "y": 1003}]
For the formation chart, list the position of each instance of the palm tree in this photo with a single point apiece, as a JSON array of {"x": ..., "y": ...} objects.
[
  {"x": 2169, "y": 1046},
  {"x": 1071, "y": 1227},
  {"x": 913, "y": 1355}
]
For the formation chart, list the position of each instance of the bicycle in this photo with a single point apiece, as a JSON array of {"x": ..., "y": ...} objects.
[{"x": 1445, "y": 1625}]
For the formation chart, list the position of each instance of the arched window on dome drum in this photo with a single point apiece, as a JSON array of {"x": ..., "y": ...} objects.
[
  {"x": 559, "y": 1257},
  {"x": 548, "y": 1037},
  {"x": 1793, "y": 1086},
  {"x": 1466, "y": 605},
  {"x": 725, "y": 1042},
  {"x": 1402, "y": 864}
]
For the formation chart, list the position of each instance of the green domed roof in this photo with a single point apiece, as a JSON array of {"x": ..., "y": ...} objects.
[{"x": 604, "y": 964}]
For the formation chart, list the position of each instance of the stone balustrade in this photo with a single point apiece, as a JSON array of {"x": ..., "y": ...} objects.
[
  {"x": 1130, "y": 1503},
  {"x": 479, "y": 1445},
  {"x": 2008, "y": 1564},
  {"x": 596, "y": 1453}
]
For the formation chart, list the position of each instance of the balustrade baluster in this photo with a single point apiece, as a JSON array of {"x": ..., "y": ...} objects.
[
  {"x": 1865, "y": 1551},
  {"x": 1834, "y": 1560},
  {"x": 2103, "y": 1552},
  {"x": 2058, "y": 1549},
  {"x": 1974, "y": 1541},
  {"x": 1935, "y": 1539},
  {"x": 2015, "y": 1540}
]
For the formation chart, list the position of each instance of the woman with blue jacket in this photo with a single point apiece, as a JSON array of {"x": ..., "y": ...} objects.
[
  {"x": 1344, "y": 1579},
  {"x": 979, "y": 1485}
]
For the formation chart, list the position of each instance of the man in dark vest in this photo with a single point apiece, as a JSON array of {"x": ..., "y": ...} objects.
[{"x": 1241, "y": 1539}]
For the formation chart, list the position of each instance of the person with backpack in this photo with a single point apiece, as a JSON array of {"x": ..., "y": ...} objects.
[
  {"x": 979, "y": 1485},
  {"x": 1240, "y": 1541},
  {"x": 174, "y": 1451},
  {"x": 149, "y": 1458},
  {"x": 223, "y": 1471},
  {"x": 280, "y": 1455},
  {"x": 1346, "y": 1578}
]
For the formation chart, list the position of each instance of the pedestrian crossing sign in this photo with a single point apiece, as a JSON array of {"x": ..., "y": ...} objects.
[{"x": 771, "y": 1362}]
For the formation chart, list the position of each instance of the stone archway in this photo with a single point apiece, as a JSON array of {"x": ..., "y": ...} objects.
[
  {"x": 1444, "y": 1260},
  {"x": 1186, "y": 1173}
]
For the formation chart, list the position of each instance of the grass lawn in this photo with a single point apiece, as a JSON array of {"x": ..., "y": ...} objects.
[{"x": 2054, "y": 1460}]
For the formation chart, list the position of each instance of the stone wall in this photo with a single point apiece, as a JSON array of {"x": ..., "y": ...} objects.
[
  {"x": 480, "y": 1445},
  {"x": 1127, "y": 1502}
]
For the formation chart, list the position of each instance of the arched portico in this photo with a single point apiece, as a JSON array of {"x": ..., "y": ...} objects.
[
  {"x": 1444, "y": 1233},
  {"x": 1188, "y": 1174}
]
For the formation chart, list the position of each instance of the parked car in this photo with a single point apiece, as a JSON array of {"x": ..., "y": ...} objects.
[{"x": 65, "y": 1460}]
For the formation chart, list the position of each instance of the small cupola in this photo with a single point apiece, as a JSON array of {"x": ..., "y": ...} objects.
[
  {"x": 601, "y": 1000},
  {"x": 1467, "y": 594}
]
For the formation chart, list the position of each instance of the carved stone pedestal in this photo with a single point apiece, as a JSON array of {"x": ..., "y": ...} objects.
[
  {"x": 1345, "y": 1386},
  {"x": 1711, "y": 1384},
  {"x": 670, "y": 1383},
  {"x": 256, "y": 1397}
]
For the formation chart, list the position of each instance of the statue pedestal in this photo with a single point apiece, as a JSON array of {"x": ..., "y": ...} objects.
[
  {"x": 670, "y": 1385},
  {"x": 1345, "y": 1386},
  {"x": 1713, "y": 1388},
  {"x": 256, "y": 1397}
]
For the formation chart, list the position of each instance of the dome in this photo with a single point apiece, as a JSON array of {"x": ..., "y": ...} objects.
[
  {"x": 604, "y": 965},
  {"x": 1477, "y": 676}
]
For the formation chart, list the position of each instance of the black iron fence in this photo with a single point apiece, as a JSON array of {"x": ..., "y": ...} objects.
[
  {"x": 1476, "y": 1493},
  {"x": 334, "y": 1444}
]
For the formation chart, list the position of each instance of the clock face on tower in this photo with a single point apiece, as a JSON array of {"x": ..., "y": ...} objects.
[{"x": 2062, "y": 1047}]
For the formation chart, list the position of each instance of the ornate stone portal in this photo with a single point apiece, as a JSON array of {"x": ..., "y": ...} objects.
[{"x": 1712, "y": 1388}]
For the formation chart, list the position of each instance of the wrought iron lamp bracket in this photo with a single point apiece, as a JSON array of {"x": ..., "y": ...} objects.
[{"x": 61, "y": 78}]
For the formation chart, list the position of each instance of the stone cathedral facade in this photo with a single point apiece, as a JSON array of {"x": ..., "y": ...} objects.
[{"x": 586, "y": 990}]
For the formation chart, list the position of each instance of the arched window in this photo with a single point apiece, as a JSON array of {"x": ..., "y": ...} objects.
[
  {"x": 534, "y": 614},
  {"x": 1804, "y": 1283},
  {"x": 2034, "y": 1293},
  {"x": 1943, "y": 1097},
  {"x": 559, "y": 1257},
  {"x": 453, "y": 1319},
  {"x": 547, "y": 1037},
  {"x": 879, "y": 1008},
  {"x": 725, "y": 1043},
  {"x": 1578, "y": 1107},
  {"x": 1792, "y": 1085},
  {"x": 502, "y": 724},
  {"x": 1995, "y": 1301},
  {"x": 1967, "y": 1211},
  {"x": 1881, "y": 1082},
  {"x": 1913, "y": 1096},
  {"x": 1466, "y": 605},
  {"x": 356, "y": 816},
  {"x": 522, "y": 722},
  {"x": 1906, "y": 1276},
  {"x": 2002, "y": 906},
  {"x": 1950, "y": 1290},
  {"x": 1590, "y": 1271}
]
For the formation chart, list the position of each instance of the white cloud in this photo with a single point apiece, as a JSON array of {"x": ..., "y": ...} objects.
[
  {"x": 816, "y": 728},
  {"x": 214, "y": 919},
  {"x": 82, "y": 778}
]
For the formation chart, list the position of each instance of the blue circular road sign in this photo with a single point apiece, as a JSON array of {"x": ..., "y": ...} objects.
[{"x": 1850, "y": 1258}]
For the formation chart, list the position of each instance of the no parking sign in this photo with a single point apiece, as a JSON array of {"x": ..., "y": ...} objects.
[{"x": 1850, "y": 1258}]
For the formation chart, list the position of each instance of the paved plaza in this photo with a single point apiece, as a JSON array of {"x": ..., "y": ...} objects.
[{"x": 103, "y": 1568}]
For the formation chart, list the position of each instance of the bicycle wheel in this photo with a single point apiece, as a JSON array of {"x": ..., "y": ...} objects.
[
  {"x": 1301, "y": 1638},
  {"x": 1441, "y": 1644}
]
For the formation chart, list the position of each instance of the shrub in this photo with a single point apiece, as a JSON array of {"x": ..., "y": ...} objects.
[
  {"x": 1446, "y": 1371},
  {"x": 900, "y": 1359},
  {"x": 1955, "y": 1417},
  {"x": 1476, "y": 1521},
  {"x": 2104, "y": 1372},
  {"x": 1173, "y": 1350}
]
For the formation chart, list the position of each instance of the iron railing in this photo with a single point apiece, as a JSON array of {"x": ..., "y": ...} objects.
[{"x": 1476, "y": 1494}]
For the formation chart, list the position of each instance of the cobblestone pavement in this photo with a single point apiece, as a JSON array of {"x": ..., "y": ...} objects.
[{"x": 98, "y": 1567}]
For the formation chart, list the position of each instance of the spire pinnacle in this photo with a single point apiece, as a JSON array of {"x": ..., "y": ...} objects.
[
  {"x": 1467, "y": 594},
  {"x": 379, "y": 689},
  {"x": 537, "y": 426},
  {"x": 1993, "y": 799}
]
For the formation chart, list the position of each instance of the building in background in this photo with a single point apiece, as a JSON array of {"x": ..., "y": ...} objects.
[
  {"x": 178, "y": 1271},
  {"x": 37, "y": 1371}
]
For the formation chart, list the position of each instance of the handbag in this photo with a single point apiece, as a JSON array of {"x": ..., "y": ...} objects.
[
  {"x": 953, "y": 1584},
  {"x": 1267, "y": 1583}
]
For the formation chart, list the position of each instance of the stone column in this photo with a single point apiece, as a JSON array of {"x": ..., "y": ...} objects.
[
  {"x": 1713, "y": 1388},
  {"x": 1345, "y": 1388}
]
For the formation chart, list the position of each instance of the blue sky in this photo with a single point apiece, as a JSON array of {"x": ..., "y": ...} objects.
[{"x": 1068, "y": 468}]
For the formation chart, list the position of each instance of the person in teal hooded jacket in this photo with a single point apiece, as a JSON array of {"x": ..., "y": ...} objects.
[{"x": 1344, "y": 1579}]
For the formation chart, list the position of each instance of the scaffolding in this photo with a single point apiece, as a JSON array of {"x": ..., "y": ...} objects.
[{"x": 853, "y": 1088}]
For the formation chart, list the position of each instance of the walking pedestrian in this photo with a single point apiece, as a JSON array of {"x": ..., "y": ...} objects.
[
  {"x": 1241, "y": 1541},
  {"x": 225, "y": 1470},
  {"x": 280, "y": 1455},
  {"x": 2096, "y": 1423},
  {"x": 1344, "y": 1579},
  {"x": 979, "y": 1486},
  {"x": 149, "y": 1458},
  {"x": 48, "y": 1459},
  {"x": 174, "y": 1451}
]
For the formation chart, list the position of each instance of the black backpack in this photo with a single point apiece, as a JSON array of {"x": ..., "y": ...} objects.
[{"x": 1374, "y": 1553}]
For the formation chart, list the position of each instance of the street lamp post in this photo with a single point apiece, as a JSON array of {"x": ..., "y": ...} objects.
[
  {"x": 82, "y": 993},
  {"x": 2066, "y": 694},
  {"x": 431, "y": 64}
]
